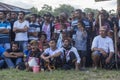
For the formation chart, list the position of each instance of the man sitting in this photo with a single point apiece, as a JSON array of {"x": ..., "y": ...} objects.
[
  {"x": 13, "y": 56},
  {"x": 70, "y": 56},
  {"x": 51, "y": 56},
  {"x": 102, "y": 47}
]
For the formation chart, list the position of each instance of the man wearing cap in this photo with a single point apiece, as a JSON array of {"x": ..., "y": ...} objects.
[
  {"x": 47, "y": 26},
  {"x": 102, "y": 47}
]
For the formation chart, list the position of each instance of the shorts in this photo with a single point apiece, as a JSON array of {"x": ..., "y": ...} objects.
[{"x": 82, "y": 53}]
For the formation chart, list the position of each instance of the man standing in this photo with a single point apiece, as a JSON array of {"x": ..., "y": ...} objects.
[
  {"x": 102, "y": 47},
  {"x": 21, "y": 30},
  {"x": 4, "y": 31},
  {"x": 34, "y": 28}
]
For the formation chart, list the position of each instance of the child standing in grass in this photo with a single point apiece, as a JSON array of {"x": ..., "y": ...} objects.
[{"x": 81, "y": 42}]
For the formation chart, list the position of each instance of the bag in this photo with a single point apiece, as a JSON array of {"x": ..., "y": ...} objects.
[
  {"x": 32, "y": 61},
  {"x": 21, "y": 66}
]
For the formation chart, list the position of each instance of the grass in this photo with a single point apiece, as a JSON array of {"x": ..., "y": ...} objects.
[{"x": 90, "y": 74}]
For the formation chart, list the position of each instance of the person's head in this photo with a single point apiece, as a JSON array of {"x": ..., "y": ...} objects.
[
  {"x": 28, "y": 46},
  {"x": 72, "y": 15},
  {"x": 67, "y": 42},
  {"x": 78, "y": 13},
  {"x": 90, "y": 15},
  {"x": 15, "y": 46},
  {"x": 33, "y": 17},
  {"x": 56, "y": 20},
  {"x": 102, "y": 31},
  {"x": 33, "y": 43},
  {"x": 2, "y": 15},
  {"x": 13, "y": 15},
  {"x": 45, "y": 46},
  {"x": 34, "y": 48},
  {"x": 110, "y": 33},
  {"x": 42, "y": 36},
  {"x": 47, "y": 16},
  {"x": 8, "y": 17},
  {"x": 52, "y": 43},
  {"x": 63, "y": 17},
  {"x": 81, "y": 25},
  {"x": 21, "y": 15}
]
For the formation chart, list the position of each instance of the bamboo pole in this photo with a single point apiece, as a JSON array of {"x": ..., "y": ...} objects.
[{"x": 115, "y": 44}]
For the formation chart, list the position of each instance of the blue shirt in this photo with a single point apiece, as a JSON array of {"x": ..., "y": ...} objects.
[
  {"x": 2, "y": 50},
  {"x": 81, "y": 41},
  {"x": 5, "y": 38}
]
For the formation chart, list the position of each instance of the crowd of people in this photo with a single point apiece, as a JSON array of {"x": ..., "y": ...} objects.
[{"x": 58, "y": 42}]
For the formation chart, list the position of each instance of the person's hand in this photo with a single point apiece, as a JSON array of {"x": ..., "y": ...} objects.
[
  {"x": 46, "y": 59},
  {"x": 103, "y": 52},
  {"x": 12, "y": 53},
  {"x": 107, "y": 60}
]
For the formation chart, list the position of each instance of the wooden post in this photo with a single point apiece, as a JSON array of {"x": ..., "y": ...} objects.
[{"x": 118, "y": 4}]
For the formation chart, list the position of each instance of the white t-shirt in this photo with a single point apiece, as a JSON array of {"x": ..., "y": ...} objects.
[
  {"x": 105, "y": 43},
  {"x": 50, "y": 52},
  {"x": 74, "y": 50},
  {"x": 21, "y": 36}
]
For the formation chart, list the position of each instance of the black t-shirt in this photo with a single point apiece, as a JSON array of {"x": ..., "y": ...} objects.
[
  {"x": 10, "y": 50},
  {"x": 35, "y": 54}
]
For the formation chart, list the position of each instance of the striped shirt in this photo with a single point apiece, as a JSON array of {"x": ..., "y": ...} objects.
[{"x": 5, "y": 38}]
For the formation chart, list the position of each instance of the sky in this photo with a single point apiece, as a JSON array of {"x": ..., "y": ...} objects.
[{"x": 108, "y": 5}]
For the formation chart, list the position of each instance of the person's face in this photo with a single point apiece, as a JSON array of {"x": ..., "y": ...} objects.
[
  {"x": 66, "y": 43},
  {"x": 42, "y": 38},
  {"x": 77, "y": 14},
  {"x": 8, "y": 16},
  {"x": 52, "y": 44},
  {"x": 1, "y": 15},
  {"x": 20, "y": 16},
  {"x": 80, "y": 26},
  {"x": 102, "y": 33},
  {"x": 33, "y": 48},
  {"x": 90, "y": 15},
  {"x": 29, "y": 47},
  {"x": 13, "y": 15},
  {"x": 47, "y": 17},
  {"x": 32, "y": 18},
  {"x": 14, "y": 47}
]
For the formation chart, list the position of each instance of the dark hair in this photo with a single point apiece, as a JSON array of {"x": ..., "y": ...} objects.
[
  {"x": 53, "y": 40},
  {"x": 48, "y": 14},
  {"x": 40, "y": 34},
  {"x": 22, "y": 12},
  {"x": 79, "y": 10},
  {"x": 82, "y": 23},
  {"x": 35, "y": 15},
  {"x": 16, "y": 43}
]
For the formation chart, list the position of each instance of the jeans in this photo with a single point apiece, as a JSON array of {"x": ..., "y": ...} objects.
[
  {"x": 12, "y": 63},
  {"x": 22, "y": 45},
  {"x": 1, "y": 63}
]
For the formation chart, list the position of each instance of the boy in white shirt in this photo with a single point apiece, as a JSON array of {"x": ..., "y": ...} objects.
[{"x": 51, "y": 56}]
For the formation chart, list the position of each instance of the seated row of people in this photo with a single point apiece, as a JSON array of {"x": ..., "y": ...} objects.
[{"x": 49, "y": 56}]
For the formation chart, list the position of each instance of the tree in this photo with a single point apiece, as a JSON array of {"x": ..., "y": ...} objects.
[
  {"x": 45, "y": 8},
  {"x": 34, "y": 10},
  {"x": 88, "y": 10},
  {"x": 63, "y": 8}
]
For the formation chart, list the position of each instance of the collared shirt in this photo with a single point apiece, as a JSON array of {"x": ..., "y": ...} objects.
[{"x": 74, "y": 50}]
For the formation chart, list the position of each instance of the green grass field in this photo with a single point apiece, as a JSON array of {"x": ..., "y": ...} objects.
[{"x": 90, "y": 74}]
